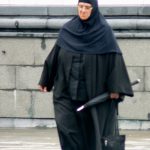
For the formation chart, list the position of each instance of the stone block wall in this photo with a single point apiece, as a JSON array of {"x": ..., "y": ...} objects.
[{"x": 21, "y": 61}]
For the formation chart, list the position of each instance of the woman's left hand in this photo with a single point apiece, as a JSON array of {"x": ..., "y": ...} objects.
[{"x": 114, "y": 95}]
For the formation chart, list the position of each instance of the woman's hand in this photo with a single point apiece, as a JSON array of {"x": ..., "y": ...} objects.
[
  {"x": 114, "y": 95},
  {"x": 43, "y": 89}
]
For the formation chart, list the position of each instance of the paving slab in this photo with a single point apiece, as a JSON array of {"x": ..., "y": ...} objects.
[{"x": 47, "y": 139}]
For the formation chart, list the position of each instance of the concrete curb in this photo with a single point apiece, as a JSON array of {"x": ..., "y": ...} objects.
[{"x": 50, "y": 123}]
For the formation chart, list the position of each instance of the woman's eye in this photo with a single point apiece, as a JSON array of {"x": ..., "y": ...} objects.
[{"x": 80, "y": 6}]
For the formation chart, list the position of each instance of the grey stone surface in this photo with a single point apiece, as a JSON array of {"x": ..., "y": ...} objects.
[
  {"x": 132, "y": 24},
  {"x": 29, "y": 34},
  {"x": 7, "y": 103},
  {"x": 144, "y": 11},
  {"x": 147, "y": 78},
  {"x": 30, "y": 52},
  {"x": 130, "y": 125},
  {"x": 23, "y": 105},
  {"x": 65, "y": 10},
  {"x": 7, "y": 77},
  {"x": 105, "y": 10},
  {"x": 26, "y": 23},
  {"x": 135, "y": 51},
  {"x": 134, "y": 125},
  {"x": 137, "y": 73},
  {"x": 32, "y": 34},
  {"x": 26, "y": 54},
  {"x": 6, "y": 122},
  {"x": 133, "y": 35},
  {"x": 26, "y": 123},
  {"x": 118, "y": 11},
  {"x": 42, "y": 105},
  {"x": 145, "y": 125},
  {"x": 32, "y": 123},
  {"x": 62, "y": 11},
  {"x": 42, "y": 53},
  {"x": 19, "y": 10},
  {"x": 50, "y": 123},
  {"x": 137, "y": 107},
  {"x": 143, "y": 24},
  {"x": 123, "y": 23},
  {"x": 47, "y": 139},
  {"x": 27, "y": 77},
  {"x": 56, "y": 23},
  {"x": 18, "y": 51}
]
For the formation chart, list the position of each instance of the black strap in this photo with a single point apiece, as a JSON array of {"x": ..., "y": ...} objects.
[{"x": 116, "y": 120}]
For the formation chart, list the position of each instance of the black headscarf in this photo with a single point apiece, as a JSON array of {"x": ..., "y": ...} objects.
[{"x": 91, "y": 36}]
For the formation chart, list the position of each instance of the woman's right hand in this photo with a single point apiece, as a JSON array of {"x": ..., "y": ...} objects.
[{"x": 43, "y": 88}]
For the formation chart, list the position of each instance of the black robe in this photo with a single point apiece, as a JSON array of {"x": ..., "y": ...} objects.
[{"x": 102, "y": 73}]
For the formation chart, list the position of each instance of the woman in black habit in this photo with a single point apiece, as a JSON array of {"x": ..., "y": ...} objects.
[{"x": 85, "y": 62}]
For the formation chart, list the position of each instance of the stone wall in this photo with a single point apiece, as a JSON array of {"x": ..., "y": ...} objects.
[
  {"x": 21, "y": 61},
  {"x": 27, "y": 35}
]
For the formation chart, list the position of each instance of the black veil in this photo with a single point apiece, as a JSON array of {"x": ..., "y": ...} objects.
[{"x": 92, "y": 36}]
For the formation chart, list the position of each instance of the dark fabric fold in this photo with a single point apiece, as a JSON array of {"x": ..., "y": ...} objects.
[
  {"x": 106, "y": 73},
  {"x": 118, "y": 79},
  {"x": 101, "y": 73},
  {"x": 50, "y": 69}
]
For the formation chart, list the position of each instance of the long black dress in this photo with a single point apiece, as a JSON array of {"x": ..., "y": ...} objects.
[{"x": 77, "y": 78}]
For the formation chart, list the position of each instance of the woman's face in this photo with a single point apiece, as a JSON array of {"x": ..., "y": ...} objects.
[{"x": 84, "y": 10}]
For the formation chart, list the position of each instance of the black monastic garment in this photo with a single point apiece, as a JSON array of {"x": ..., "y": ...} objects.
[
  {"x": 85, "y": 62},
  {"x": 93, "y": 75}
]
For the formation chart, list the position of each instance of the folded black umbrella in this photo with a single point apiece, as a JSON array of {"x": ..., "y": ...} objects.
[{"x": 101, "y": 98}]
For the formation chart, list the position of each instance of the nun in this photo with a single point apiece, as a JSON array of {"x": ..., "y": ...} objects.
[{"x": 85, "y": 62}]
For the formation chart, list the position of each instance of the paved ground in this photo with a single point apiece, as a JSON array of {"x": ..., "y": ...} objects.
[
  {"x": 47, "y": 139},
  {"x": 137, "y": 140}
]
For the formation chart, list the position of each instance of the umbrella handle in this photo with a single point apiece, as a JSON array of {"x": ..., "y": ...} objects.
[{"x": 102, "y": 97}]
